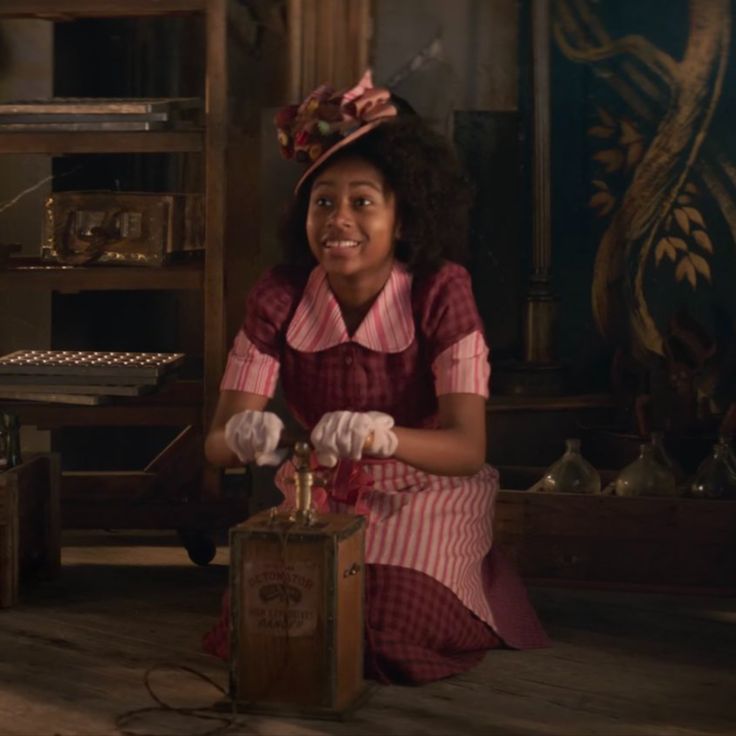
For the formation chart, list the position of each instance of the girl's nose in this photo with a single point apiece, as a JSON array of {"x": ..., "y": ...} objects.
[{"x": 342, "y": 215}]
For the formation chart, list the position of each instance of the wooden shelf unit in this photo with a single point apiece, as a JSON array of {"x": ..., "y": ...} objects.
[
  {"x": 28, "y": 273},
  {"x": 69, "y": 9},
  {"x": 178, "y": 404},
  {"x": 61, "y": 142},
  {"x": 190, "y": 406}
]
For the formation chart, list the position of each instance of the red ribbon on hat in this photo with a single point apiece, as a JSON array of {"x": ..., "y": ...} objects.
[{"x": 307, "y": 131}]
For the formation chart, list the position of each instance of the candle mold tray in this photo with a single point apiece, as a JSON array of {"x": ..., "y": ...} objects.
[{"x": 90, "y": 366}]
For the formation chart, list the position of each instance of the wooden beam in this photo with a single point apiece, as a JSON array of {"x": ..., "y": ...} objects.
[
  {"x": 70, "y": 9},
  {"x": 216, "y": 90},
  {"x": 103, "y": 142}
]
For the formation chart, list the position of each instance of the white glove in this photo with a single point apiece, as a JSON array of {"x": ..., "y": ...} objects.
[
  {"x": 255, "y": 435},
  {"x": 344, "y": 434}
]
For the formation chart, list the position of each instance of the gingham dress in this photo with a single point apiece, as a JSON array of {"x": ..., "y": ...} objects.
[{"x": 429, "y": 537}]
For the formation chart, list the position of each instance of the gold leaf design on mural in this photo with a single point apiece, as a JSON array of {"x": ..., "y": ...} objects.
[
  {"x": 694, "y": 84},
  {"x": 703, "y": 240},
  {"x": 690, "y": 187},
  {"x": 600, "y": 184},
  {"x": 612, "y": 159},
  {"x": 606, "y": 117},
  {"x": 664, "y": 248},
  {"x": 682, "y": 220},
  {"x": 629, "y": 134},
  {"x": 600, "y": 131},
  {"x": 686, "y": 269},
  {"x": 604, "y": 201},
  {"x": 678, "y": 243},
  {"x": 684, "y": 199},
  {"x": 694, "y": 215},
  {"x": 700, "y": 264},
  {"x": 668, "y": 246}
]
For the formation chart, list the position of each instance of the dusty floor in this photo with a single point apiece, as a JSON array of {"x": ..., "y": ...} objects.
[{"x": 74, "y": 653}]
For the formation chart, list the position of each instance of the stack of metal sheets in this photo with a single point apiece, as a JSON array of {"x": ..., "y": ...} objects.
[{"x": 100, "y": 114}]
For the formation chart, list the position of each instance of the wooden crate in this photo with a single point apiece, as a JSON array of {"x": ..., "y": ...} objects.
[
  {"x": 29, "y": 524},
  {"x": 297, "y": 615},
  {"x": 609, "y": 541}
]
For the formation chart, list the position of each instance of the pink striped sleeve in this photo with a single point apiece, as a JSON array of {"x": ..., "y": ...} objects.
[
  {"x": 463, "y": 368},
  {"x": 248, "y": 369}
]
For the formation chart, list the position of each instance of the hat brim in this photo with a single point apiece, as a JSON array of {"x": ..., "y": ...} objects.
[{"x": 330, "y": 152}]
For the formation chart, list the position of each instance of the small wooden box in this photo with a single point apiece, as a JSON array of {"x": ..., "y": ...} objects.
[
  {"x": 29, "y": 524},
  {"x": 297, "y": 615},
  {"x": 122, "y": 228},
  {"x": 675, "y": 544}
]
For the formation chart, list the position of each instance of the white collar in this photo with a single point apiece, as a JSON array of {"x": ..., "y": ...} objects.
[{"x": 388, "y": 327}]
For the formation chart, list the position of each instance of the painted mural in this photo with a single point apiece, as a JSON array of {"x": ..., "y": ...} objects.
[{"x": 645, "y": 91}]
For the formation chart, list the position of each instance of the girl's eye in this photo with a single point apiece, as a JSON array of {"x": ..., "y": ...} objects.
[
  {"x": 362, "y": 201},
  {"x": 322, "y": 202}
]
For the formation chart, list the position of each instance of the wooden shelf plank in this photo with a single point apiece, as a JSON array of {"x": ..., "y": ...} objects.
[
  {"x": 549, "y": 403},
  {"x": 167, "y": 141},
  {"x": 28, "y": 273},
  {"x": 176, "y": 405},
  {"x": 69, "y": 9}
]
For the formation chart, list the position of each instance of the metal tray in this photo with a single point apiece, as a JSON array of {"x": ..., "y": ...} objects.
[{"x": 89, "y": 363}]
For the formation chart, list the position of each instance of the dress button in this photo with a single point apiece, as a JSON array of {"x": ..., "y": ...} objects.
[{"x": 348, "y": 360}]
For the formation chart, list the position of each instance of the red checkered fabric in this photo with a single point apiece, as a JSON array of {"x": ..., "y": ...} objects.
[
  {"x": 350, "y": 376},
  {"x": 417, "y": 631}
]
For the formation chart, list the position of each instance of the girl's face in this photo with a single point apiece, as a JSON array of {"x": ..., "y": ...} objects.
[{"x": 351, "y": 219}]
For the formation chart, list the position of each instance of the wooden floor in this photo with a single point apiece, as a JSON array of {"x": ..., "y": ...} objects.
[{"x": 74, "y": 653}]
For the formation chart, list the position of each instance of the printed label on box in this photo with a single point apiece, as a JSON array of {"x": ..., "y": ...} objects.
[{"x": 281, "y": 600}]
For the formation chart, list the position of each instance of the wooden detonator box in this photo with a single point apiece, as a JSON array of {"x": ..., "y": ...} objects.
[{"x": 296, "y": 626}]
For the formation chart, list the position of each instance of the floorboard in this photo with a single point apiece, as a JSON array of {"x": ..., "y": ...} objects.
[{"x": 74, "y": 652}]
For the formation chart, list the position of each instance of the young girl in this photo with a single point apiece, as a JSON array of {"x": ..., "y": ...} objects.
[{"x": 376, "y": 338}]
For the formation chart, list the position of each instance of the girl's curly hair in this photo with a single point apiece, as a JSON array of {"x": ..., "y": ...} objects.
[{"x": 432, "y": 195}]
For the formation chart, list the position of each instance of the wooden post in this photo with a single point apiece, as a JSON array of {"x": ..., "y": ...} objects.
[
  {"x": 30, "y": 541},
  {"x": 215, "y": 182},
  {"x": 540, "y": 318}
]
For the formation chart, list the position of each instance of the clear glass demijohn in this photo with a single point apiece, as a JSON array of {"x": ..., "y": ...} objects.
[
  {"x": 726, "y": 440},
  {"x": 646, "y": 476},
  {"x": 715, "y": 478},
  {"x": 572, "y": 473}
]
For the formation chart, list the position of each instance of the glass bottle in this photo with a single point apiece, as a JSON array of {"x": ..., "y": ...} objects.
[
  {"x": 572, "y": 473},
  {"x": 646, "y": 476},
  {"x": 714, "y": 477},
  {"x": 730, "y": 454}
]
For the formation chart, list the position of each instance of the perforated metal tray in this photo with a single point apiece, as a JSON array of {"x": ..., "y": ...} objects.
[{"x": 89, "y": 364}]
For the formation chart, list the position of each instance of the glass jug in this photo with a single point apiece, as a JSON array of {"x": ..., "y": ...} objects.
[
  {"x": 646, "y": 476},
  {"x": 715, "y": 477},
  {"x": 730, "y": 454},
  {"x": 572, "y": 473}
]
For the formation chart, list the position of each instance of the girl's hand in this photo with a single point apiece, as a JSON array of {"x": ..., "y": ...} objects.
[
  {"x": 255, "y": 435},
  {"x": 349, "y": 434}
]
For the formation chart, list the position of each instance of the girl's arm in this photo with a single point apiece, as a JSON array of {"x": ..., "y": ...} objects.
[
  {"x": 457, "y": 447},
  {"x": 229, "y": 403}
]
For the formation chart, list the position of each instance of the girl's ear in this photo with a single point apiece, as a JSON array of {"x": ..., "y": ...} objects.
[{"x": 397, "y": 231}]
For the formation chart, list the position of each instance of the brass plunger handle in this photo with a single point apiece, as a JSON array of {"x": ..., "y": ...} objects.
[{"x": 304, "y": 479}]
